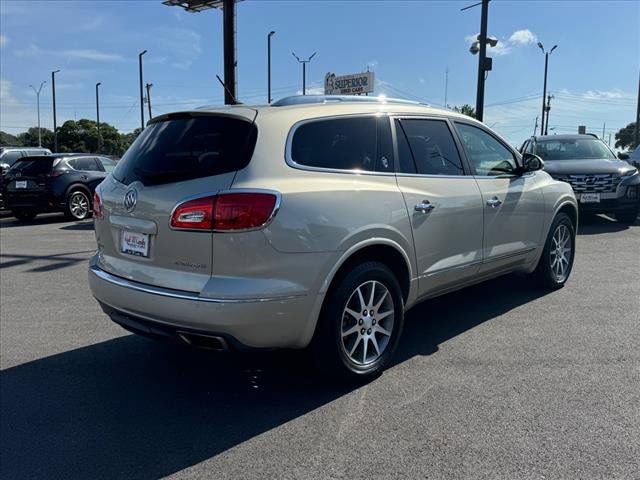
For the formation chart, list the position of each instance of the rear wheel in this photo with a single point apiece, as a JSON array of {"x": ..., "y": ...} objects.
[
  {"x": 78, "y": 205},
  {"x": 556, "y": 262},
  {"x": 628, "y": 216},
  {"x": 24, "y": 215},
  {"x": 361, "y": 323}
]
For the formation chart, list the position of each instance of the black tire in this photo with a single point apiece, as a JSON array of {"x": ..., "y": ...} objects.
[
  {"x": 327, "y": 347},
  {"x": 73, "y": 209},
  {"x": 544, "y": 272},
  {"x": 24, "y": 215},
  {"x": 629, "y": 216}
]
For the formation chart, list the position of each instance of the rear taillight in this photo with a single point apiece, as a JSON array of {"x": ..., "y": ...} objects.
[
  {"x": 97, "y": 205},
  {"x": 225, "y": 212},
  {"x": 57, "y": 173}
]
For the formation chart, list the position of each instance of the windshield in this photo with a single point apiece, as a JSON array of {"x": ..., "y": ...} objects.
[
  {"x": 185, "y": 147},
  {"x": 573, "y": 149},
  {"x": 32, "y": 167}
]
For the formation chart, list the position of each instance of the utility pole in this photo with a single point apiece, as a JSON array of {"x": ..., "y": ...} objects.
[
  {"x": 271, "y": 34},
  {"x": 230, "y": 64},
  {"x": 544, "y": 90},
  {"x": 55, "y": 126},
  {"x": 148, "y": 86},
  {"x": 304, "y": 70},
  {"x": 482, "y": 63},
  {"x": 98, "y": 115},
  {"x": 446, "y": 85},
  {"x": 603, "y": 125},
  {"x": 636, "y": 135},
  {"x": 547, "y": 109},
  {"x": 141, "y": 94},
  {"x": 38, "y": 104},
  {"x": 535, "y": 127}
]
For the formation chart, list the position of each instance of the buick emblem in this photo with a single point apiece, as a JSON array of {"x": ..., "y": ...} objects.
[{"x": 130, "y": 200}]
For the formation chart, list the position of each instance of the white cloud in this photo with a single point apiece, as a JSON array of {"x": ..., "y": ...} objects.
[
  {"x": 603, "y": 94},
  {"x": 3, "y": 40},
  {"x": 31, "y": 51},
  {"x": 523, "y": 37},
  {"x": 96, "y": 55},
  {"x": 15, "y": 117},
  {"x": 500, "y": 49},
  {"x": 181, "y": 45}
]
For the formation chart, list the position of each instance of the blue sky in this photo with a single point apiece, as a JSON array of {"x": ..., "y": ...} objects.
[{"x": 409, "y": 45}]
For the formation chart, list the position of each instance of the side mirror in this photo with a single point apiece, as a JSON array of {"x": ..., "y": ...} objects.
[
  {"x": 531, "y": 162},
  {"x": 623, "y": 156},
  {"x": 4, "y": 168}
]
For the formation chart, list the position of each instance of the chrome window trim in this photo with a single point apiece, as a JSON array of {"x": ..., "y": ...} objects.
[
  {"x": 178, "y": 294},
  {"x": 276, "y": 208},
  {"x": 298, "y": 166}
]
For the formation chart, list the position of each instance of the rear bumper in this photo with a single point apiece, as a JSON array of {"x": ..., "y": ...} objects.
[
  {"x": 40, "y": 202},
  {"x": 278, "y": 322}
]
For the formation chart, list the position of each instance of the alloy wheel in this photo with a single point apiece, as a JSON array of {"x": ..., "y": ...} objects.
[
  {"x": 79, "y": 205},
  {"x": 561, "y": 252},
  {"x": 367, "y": 322}
]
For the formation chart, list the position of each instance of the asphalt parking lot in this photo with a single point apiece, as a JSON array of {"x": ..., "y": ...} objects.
[{"x": 496, "y": 381}]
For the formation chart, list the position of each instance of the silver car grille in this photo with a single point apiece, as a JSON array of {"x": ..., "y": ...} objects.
[{"x": 594, "y": 183}]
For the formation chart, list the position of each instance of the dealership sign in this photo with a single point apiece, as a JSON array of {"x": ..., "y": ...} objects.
[{"x": 348, "y": 84}]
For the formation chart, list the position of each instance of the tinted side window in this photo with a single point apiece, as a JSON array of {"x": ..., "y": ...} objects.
[
  {"x": 339, "y": 143},
  {"x": 433, "y": 147},
  {"x": 405, "y": 157},
  {"x": 86, "y": 164},
  {"x": 108, "y": 164},
  {"x": 486, "y": 154}
]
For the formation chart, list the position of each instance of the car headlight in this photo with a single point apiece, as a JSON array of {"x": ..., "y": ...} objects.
[{"x": 628, "y": 173}]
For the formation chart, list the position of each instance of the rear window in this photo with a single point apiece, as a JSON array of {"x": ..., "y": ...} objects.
[
  {"x": 32, "y": 167},
  {"x": 185, "y": 147}
]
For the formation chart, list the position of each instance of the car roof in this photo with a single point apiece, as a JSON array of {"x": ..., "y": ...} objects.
[{"x": 566, "y": 136}]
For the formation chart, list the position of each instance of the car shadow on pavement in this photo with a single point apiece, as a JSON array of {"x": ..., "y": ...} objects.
[
  {"x": 599, "y": 224},
  {"x": 54, "y": 262},
  {"x": 132, "y": 408},
  {"x": 44, "y": 219},
  {"x": 86, "y": 225}
]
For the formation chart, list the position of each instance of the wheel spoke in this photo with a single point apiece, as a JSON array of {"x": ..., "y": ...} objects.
[
  {"x": 382, "y": 330},
  {"x": 374, "y": 341},
  {"x": 362, "y": 304},
  {"x": 377, "y": 305},
  {"x": 365, "y": 342},
  {"x": 373, "y": 292},
  {"x": 381, "y": 316},
  {"x": 353, "y": 313},
  {"x": 351, "y": 330},
  {"x": 355, "y": 345}
]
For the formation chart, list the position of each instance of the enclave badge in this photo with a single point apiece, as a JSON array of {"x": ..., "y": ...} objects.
[{"x": 130, "y": 200}]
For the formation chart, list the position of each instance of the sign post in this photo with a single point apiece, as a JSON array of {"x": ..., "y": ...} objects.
[{"x": 354, "y": 84}]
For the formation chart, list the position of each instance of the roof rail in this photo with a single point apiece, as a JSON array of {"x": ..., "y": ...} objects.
[{"x": 315, "y": 99}]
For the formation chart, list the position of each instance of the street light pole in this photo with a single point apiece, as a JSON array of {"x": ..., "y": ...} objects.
[
  {"x": 55, "y": 125},
  {"x": 544, "y": 89},
  {"x": 636, "y": 135},
  {"x": 271, "y": 33},
  {"x": 304, "y": 70},
  {"x": 98, "y": 116},
  {"x": 37, "y": 92},
  {"x": 482, "y": 60},
  {"x": 141, "y": 93}
]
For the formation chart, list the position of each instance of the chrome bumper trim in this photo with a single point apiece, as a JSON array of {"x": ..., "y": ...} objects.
[{"x": 178, "y": 294}]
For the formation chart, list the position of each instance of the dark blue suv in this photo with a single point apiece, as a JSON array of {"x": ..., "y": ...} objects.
[{"x": 54, "y": 183}]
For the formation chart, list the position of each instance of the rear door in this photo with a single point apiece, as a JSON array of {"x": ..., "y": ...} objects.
[
  {"x": 90, "y": 171},
  {"x": 444, "y": 204},
  {"x": 27, "y": 182},
  {"x": 512, "y": 202},
  {"x": 176, "y": 157}
]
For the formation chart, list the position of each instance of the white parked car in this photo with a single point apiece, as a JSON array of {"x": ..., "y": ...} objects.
[{"x": 317, "y": 222}]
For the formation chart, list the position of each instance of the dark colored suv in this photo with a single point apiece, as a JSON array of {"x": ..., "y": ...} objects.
[
  {"x": 601, "y": 182},
  {"x": 54, "y": 183}
]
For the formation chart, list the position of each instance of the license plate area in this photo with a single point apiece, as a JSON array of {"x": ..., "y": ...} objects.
[
  {"x": 20, "y": 184},
  {"x": 590, "y": 198},
  {"x": 134, "y": 243}
]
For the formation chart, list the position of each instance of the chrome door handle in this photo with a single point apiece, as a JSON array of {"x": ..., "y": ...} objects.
[
  {"x": 424, "y": 206},
  {"x": 494, "y": 202}
]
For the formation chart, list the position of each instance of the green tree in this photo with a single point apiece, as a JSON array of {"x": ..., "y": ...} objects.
[
  {"x": 8, "y": 140},
  {"x": 30, "y": 138},
  {"x": 625, "y": 137},
  {"x": 129, "y": 138},
  {"x": 466, "y": 110},
  {"x": 82, "y": 136}
]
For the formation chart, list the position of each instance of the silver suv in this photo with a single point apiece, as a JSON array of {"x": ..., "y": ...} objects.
[{"x": 317, "y": 222}]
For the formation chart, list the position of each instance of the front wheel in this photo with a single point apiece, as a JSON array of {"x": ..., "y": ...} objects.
[
  {"x": 78, "y": 205},
  {"x": 628, "y": 216},
  {"x": 360, "y": 324},
  {"x": 556, "y": 262}
]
